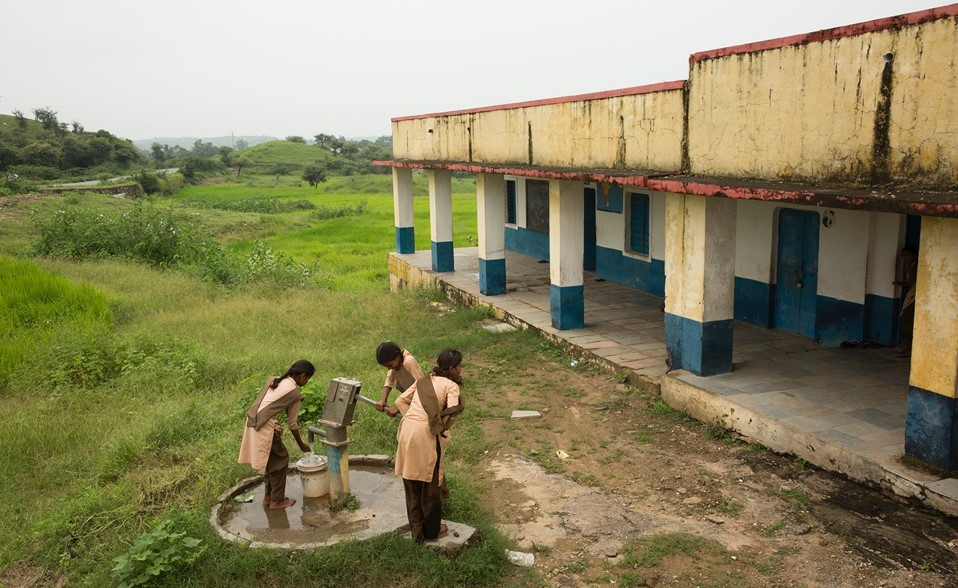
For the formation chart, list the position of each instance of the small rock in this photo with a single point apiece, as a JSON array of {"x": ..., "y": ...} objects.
[
  {"x": 802, "y": 529},
  {"x": 714, "y": 519},
  {"x": 693, "y": 500},
  {"x": 611, "y": 553},
  {"x": 521, "y": 559}
]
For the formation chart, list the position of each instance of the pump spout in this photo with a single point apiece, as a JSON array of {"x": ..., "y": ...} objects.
[{"x": 312, "y": 432}]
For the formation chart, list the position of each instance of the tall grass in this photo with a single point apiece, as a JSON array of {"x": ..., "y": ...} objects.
[
  {"x": 125, "y": 406},
  {"x": 161, "y": 238},
  {"x": 35, "y": 307}
]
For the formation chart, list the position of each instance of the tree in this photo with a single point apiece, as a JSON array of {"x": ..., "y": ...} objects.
[
  {"x": 46, "y": 117},
  {"x": 315, "y": 174},
  {"x": 323, "y": 140},
  {"x": 77, "y": 127},
  {"x": 201, "y": 149},
  {"x": 9, "y": 155},
  {"x": 158, "y": 152},
  {"x": 21, "y": 119},
  {"x": 295, "y": 139},
  {"x": 241, "y": 144},
  {"x": 239, "y": 162},
  {"x": 42, "y": 153}
]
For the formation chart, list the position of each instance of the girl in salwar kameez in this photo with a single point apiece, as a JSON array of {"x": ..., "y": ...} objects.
[
  {"x": 429, "y": 407},
  {"x": 262, "y": 445}
]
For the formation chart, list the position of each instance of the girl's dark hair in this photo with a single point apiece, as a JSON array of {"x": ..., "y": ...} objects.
[
  {"x": 387, "y": 352},
  {"x": 448, "y": 359},
  {"x": 298, "y": 368}
]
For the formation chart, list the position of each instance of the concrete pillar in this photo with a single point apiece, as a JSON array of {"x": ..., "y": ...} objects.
[
  {"x": 402, "y": 210},
  {"x": 566, "y": 215},
  {"x": 491, "y": 214},
  {"x": 699, "y": 282},
  {"x": 931, "y": 423},
  {"x": 440, "y": 220}
]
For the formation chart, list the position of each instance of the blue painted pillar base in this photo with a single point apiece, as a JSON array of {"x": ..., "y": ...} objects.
[
  {"x": 442, "y": 257},
  {"x": 567, "y": 305},
  {"x": 704, "y": 349},
  {"x": 492, "y": 276},
  {"x": 931, "y": 429},
  {"x": 405, "y": 239}
]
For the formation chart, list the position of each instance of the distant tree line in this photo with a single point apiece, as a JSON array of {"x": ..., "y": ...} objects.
[
  {"x": 46, "y": 148},
  {"x": 356, "y": 157}
]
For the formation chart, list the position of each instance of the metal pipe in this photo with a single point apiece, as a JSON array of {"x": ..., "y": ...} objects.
[
  {"x": 337, "y": 455},
  {"x": 312, "y": 431}
]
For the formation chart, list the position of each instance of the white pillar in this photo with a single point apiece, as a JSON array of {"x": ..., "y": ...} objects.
[
  {"x": 491, "y": 214},
  {"x": 403, "y": 211},
  {"x": 566, "y": 244},
  {"x": 440, "y": 220}
]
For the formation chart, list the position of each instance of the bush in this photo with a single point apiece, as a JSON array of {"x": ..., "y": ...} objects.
[
  {"x": 328, "y": 212},
  {"x": 260, "y": 204},
  {"x": 171, "y": 183},
  {"x": 154, "y": 555},
  {"x": 163, "y": 239},
  {"x": 149, "y": 182}
]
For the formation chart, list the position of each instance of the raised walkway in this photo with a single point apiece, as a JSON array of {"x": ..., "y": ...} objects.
[{"x": 842, "y": 410}]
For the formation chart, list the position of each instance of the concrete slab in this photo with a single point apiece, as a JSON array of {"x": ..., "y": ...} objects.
[
  {"x": 310, "y": 523},
  {"x": 525, "y": 414},
  {"x": 453, "y": 541}
]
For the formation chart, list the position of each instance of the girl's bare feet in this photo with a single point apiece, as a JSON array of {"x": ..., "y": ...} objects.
[
  {"x": 284, "y": 504},
  {"x": 443, "y": 531},
  {"x": 266, "y": 500}
]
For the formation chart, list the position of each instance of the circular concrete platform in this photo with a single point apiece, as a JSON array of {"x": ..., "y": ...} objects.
[{"x": 310, "y": 523}]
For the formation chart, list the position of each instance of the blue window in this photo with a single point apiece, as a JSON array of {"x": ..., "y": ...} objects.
[
  {"x": 639, "y": 223},
  {"x": 511, "y": 202}
]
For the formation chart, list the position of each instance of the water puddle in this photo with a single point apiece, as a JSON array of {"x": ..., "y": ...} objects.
[{"x": 310, "y": 522}]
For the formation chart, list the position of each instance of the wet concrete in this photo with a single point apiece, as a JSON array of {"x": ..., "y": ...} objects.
[{"x": 311, "y": 523}]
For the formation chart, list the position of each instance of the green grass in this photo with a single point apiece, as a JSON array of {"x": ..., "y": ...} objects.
[{"x": 125, "y": 385}]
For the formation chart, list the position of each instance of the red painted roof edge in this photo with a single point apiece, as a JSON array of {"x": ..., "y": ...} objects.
[
  {"x": 648, "y": 89},
  {"x": 652, "y": 181},
  {"x": 851, "y": 30}
]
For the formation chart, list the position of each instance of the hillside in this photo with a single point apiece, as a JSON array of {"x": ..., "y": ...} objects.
[
  {"x": 47, "y": 149},
  {"x": 187, "y": 142}
]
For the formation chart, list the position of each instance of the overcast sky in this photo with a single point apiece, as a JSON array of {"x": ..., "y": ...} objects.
[{"x": 203, "y": 68}]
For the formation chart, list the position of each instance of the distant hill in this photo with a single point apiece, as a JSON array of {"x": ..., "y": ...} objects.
[
  {"x": 296, "y": 154},
  {"x": 187, "y": 142}
]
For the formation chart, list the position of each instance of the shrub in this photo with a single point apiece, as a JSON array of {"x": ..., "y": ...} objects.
[
  {"x": 149, "y": 182},
  {"x": 259, "y": 204},
  {"x": 328, "y": 212},
  {"x": 155, "y": 554},
  {"x": 164, "y": 239}
]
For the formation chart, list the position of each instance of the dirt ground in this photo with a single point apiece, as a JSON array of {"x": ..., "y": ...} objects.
[{"x": 647, "y": 497}]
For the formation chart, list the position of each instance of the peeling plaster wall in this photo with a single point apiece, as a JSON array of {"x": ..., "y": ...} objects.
[
  {"x": 640, "y": 131},
  {"x": 809, "y": 111}
]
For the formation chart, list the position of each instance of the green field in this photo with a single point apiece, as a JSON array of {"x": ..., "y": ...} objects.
[{"x": 125, "y": 376}]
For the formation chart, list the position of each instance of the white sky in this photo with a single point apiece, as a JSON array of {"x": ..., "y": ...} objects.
[{"x": 204, "y": 68}]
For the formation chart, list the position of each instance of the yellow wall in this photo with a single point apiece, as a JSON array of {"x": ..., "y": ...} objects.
[
  {"x": 934, "y": 358},
  {"x": 641, "y": 131},
  {"x": 808, "y": 111}
]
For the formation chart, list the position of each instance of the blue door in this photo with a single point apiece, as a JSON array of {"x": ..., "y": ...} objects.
[
  {"x": 796, "y": 278},
  {"x": 588, "y": 252}
]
